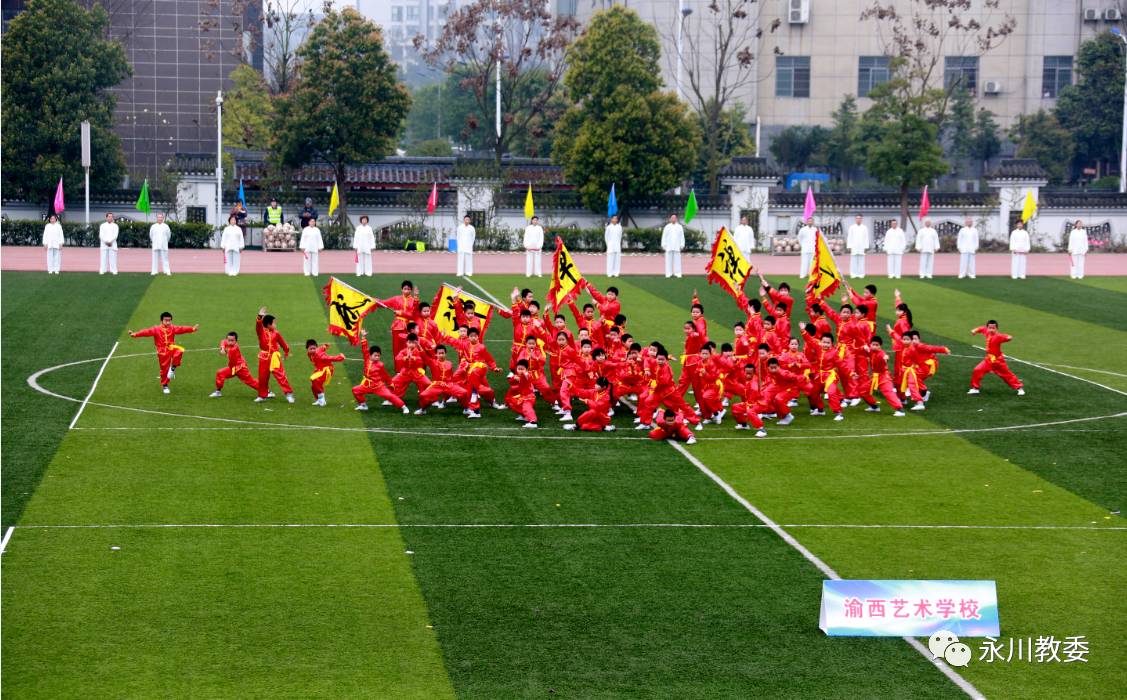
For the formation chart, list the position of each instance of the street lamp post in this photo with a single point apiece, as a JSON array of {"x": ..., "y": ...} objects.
[
  {"x": 682, "y": 13},
  {"x": 1123, "y": 136},
  {"x": 219, "y": 159}
]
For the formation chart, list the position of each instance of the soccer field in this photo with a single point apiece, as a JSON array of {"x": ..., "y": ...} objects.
[{"x": 178, "y": 545}]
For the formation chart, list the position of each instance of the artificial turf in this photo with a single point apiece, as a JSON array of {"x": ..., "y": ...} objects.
[{"x": 519, "y": 611}]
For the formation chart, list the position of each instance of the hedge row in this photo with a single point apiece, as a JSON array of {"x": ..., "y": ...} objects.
[
  {"x": 132, "y": 234},
  {"x": 634, "y": 240}
]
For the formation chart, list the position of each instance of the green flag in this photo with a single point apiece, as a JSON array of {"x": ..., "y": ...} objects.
[
  {"x": 143, "y": 199},
  {"x": 690, "y": 207}
]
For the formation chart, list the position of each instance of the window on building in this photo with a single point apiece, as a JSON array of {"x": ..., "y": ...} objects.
[
  {"x": 1056, "y": 74},
  {"x": 568, "y": 8},
  {"x": 961, "y": 71},
  {"x": 873, "y": 70},
  {"x": 792, "y": 76},
  {"x": 412, "y": 12},
  {"x": 396, "y": 14}
]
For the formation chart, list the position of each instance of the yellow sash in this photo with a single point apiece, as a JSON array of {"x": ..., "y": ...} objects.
[
  {"x": 326, "y": 372},
  {"x": 275, "y": 360}
]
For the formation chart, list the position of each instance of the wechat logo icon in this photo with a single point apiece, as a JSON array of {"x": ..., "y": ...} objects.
[{"x": 946, "y": 645}]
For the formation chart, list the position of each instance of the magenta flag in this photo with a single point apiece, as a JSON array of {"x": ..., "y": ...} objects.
[
  {"x": 925, "y": 204},
  {"x": 808, "y": 210},
  {"x": 432, "y": 200},
  {"x": 59, "y": 205}
]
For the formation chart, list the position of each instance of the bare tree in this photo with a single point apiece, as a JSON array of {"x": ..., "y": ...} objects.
[
  {"x": 286, "y": 25},
  {"x": 526, "y": 40},
  {"x": 922, "y": 32},
  {"x": 721, "y": 45}
]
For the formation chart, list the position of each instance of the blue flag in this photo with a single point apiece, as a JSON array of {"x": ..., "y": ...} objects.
[
  {"x": 242, "y": 194},
  {"x": 612, "y": 202}
]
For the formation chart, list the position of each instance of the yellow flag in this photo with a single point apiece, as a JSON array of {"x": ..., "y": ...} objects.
[
  {"x": 334, "y": 200},
  {"x": 728, "y": 265},
  {"x": 529, "y": 209},
  {"x": 824, "y": 276},
  {"x": 565, "y": 277},
  {"x": 444, "y": 314},
  {"x": 347, "y": 308},
  {"x": 1029, "y": 209}
]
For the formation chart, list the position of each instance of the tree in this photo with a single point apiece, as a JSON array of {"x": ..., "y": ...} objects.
[
  {"x": 731, "y": 137},
  {"x": 840, "y": 152},
  {"x": 624, "y": 131},
  {"x": 527, "y": 41},
  {"x": 798, "y": 147},
  {"x": 432, "y": 148},
  {"x": 347, "y": 105},
  {"x": 899, "y": 145},
  {"x": 986, "y": 142},
  {"x": 58, "y": 67},
  {"x": 248, "y": 112},
  {"x": 972, "y": 137},
  {"x": 921, "y": 34},
  {"x": 1041, "y": 137},
  {"x": 1092, "y": 109},
  {"x": 718, "y": 56},
  {"x": 286, "y": 23}
]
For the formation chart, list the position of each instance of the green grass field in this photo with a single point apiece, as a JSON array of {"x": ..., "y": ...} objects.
[{"x": 438, "y": 556}]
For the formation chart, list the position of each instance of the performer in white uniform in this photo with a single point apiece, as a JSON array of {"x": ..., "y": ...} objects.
[
  {"x": 53, "y": 242},
  {"x": 232, "y": 244},
  {"x": 967, "y": 243},
  {"x": 363, "y": 242},
  {"x": 311, "y": 245},
  {"x": 927, "y": 243},
  {"x": 533, "y": 247},
  {"x": 159, "y": 236},
  {"x": 857, "y": 240},
  {"x": 807, "y": 235},
  {"x": 745, "y": 237},
  {"x": 107, "y": 238},
  {"x": 895, "y": 243},
  {"x": 1077, "y": 249},
  {"x": 1019, "y": 251},
  {"x": 612, "y": 234},
  {"x": 464, "y": 240},
  {"x": 672, "y": 242}
]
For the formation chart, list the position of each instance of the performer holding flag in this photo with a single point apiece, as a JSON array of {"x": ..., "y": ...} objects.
[
  {"x": 727, "y": 266},
  {"x": 566, "y": 277}
]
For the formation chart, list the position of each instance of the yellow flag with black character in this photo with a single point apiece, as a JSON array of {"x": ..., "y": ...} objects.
[
  {"x": 728, "y": 266},
  {"x": 824, "y": 276},
  {"x": 347, "y": 308},
  {"x": 565, "y": 277},
  {"x": 442, "y": 310}
]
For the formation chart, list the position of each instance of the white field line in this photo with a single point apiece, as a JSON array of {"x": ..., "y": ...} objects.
[
  {"x": 1063, "y": 374},
  {"x": 822, "y": 566},
  {"x": 545, "y": 526},
  {"x": 483, "y": 290},
  {"x": 7, "y": 536},
  {"x": 82, "y": 406}
]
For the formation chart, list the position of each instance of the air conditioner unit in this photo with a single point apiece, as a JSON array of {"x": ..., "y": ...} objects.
[
  {"x": 1091, "y": 14},
  {"x": 992, "y": 87},
  {"x": 1112, "y": 14},
  {"x": 798, "y": 11}
]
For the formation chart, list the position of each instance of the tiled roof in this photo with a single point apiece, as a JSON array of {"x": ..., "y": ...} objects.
[
  {"x": 1018, "y": 169},
  {"x": 749, "y": 166}
]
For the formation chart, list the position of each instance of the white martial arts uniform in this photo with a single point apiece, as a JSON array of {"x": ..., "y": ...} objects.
[
  {"x": 857, "y": 240},
  {"x": 311, "y": 245},
  {"x": 744, "y": 236},
  {"x": 232, "y": 244},
  {"x": 363, "y": 242},
  {"x": 967, "y": 243},
  {"x": 533, "y": 248},
  {"x": 807, "y": 237},
  {"x": 1019, "y": 253},
  {"x": 464, "y": 239},
  {"x": 927, "y": 243},
  {"x": 159, "y": 235},
  {"x": 672, "y": 242},
  {"x": 1077, "y": 249},
  {"x": 107, "y": 238},
  {"x": 895, "y": 243},
  {"x": 53, "y": 242},
  {"x": 612, "y": 234}
]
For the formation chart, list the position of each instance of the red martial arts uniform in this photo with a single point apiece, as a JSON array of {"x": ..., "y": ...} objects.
[
  {"x": 521, "y": 396},
  {"x": 663, "y": 391},
  {"x": 595, "y": 418},
  {"x": 406, "y": 308},
  {"x": 881, "y": 380},
  {"x": 169, "y": 353},
  {"x": 376, "y": 380},
  {"x": 474, "y": 361},
  {"x": 322, "y": 369},
  {"x": 671, "y": 430},
  {"x": 828, "y": 368},
  {"x": 868, "y": 300},
  {"x": 271, "y": 346},
  {"x": 748, "y": 410},
  {"x": 410, "y": 364},
  {"x": 919, "y": 364},
  {"x": 995, "y": 360},
  {"x": 442, "y": 385},
  {"x": 236, "y": 367}
]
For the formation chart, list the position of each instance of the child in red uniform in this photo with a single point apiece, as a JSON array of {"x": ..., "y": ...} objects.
[
  {"x": 881, "y": 379},
  {"x": 236, "y": 366},
  {"x": 376, "y": 379},
  {"x": 322, "y": 368},
  {"x": 671, "y": 426},
  {"x": 609, "y": 305},
  {"x": 169, "y": 353},
  {"x": 597, "y": 416},
  {"x": 919, "y": 365},
  {"x": 271, "y": 346},
  {"x": 748, "y": 410},
  {"x": 663, "y": 391},
  {"x": 442, "y": 385},
  {"x": 995, "y": 360},
  {"x": 521, "y": 396},
  {"x": 406, "y": 308},
  {"x": 474, "y": 361},
  {"x": 411, "y": 364},
  {"x": 537, "y": 368},
  {"x": 828, "y": 368}
]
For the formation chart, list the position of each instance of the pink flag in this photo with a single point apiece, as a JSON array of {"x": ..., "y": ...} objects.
[
  {"x": 432, "y": 200},
  {"x": 808, "y": 210},
  {"x": 59, "y": 205},
  {"x": 925, "y": 204}
]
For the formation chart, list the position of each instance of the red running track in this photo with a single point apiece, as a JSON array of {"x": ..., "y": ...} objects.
[{"x": 401, "y": 262}]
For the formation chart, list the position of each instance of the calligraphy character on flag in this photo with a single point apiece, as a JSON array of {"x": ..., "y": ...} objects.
[
  {"x": 727, "y": 265},
  {"x": 566, "y": 277},
  {"x": 347, "y": 308},
  {"x": 824, "y": 276}
]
